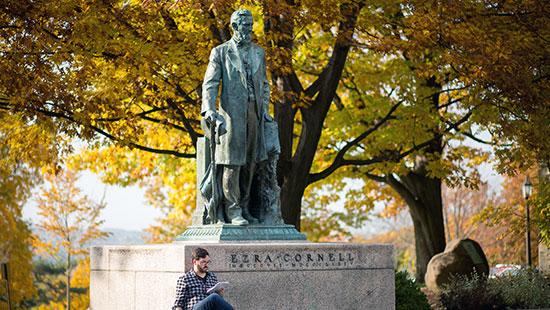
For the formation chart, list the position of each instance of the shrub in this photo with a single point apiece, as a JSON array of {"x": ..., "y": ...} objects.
[
  {"x": 527, "y": 289},
  {"x": 470, "y": 292},
  {"x": 407, "y": 293}
]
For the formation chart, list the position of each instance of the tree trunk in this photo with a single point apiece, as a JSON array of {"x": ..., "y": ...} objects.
[
  {"x": 294, "y": 167},
  {"x": 291, "y": 198},
  {"x": 423, "y": 196},
  {"x": 68, "y": 286}
]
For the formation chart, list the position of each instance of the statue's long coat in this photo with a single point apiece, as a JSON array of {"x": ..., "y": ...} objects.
[{"x": 226, "y": 66}]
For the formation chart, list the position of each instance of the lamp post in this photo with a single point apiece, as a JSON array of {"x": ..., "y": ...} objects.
[{"x": 527, "y": 191}]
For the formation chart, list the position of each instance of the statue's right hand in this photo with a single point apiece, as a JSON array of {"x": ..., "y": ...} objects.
[{"x": 211, "y": 116}]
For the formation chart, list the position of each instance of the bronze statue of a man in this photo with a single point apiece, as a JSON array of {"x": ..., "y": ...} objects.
[{"x": 239, "y": 65}]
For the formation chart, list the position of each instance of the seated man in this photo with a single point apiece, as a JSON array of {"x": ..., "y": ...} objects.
[{"x": 192, "y": 286}]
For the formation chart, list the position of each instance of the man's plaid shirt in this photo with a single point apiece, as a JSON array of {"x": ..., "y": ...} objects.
[{"x": 190, "y": 289}]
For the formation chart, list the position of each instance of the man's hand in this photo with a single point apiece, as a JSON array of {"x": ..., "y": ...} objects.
[{"x": 221, "y": 291}]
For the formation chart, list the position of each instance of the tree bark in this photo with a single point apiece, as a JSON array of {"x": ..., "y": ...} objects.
[
  {"x": 423, "y": 196},
  {"x": 68, "y": 286}
]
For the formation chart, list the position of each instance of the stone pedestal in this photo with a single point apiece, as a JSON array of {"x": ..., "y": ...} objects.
[{"x": 274, "y": 275}]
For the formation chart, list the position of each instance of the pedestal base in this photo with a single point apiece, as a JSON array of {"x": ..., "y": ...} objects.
[
  {"x": 264, "y": 276},
  {"x": 229, "y": 233}
]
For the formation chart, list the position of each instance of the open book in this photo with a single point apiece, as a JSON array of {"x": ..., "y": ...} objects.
[{"x": 217, "y": 287}]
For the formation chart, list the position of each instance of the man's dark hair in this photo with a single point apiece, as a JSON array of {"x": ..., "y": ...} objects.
[{"x": 199, "y": 253}]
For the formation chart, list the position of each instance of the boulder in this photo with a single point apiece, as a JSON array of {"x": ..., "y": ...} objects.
[{"x": 461, "y": 257}]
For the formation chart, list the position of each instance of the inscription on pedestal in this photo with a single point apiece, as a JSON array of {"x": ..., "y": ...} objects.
[{"x": 291, "y": 260}]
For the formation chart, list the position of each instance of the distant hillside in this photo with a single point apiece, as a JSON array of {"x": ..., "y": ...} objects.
[
  {"x": 116, "y": 237},
  {"x": 121, "y": 237}
]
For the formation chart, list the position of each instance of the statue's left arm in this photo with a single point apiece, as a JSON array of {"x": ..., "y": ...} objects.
[{"x": 211, "y": 83}]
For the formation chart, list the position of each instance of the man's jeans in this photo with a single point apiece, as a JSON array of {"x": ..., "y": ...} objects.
[{"x": 213, "y": 302}]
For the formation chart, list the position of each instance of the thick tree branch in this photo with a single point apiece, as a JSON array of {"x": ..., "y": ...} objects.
[
  {"x": 108, "y": 135},
  {"x": 449, "y": 103},
  {"x": 186, "y": 123},
  {"x": 456, "y": 125},
  {"x": 389, "y": 155},
  {"x": 164, "y": 122},
  {"x": 402, "y": 190},
  {"x": 141, "y": 147},
  {"x": 141, "y": 114},
  {"x": 339, "y": 159},
  {"x": 330, "y": 76},
  {"x": 479, "y": 140},
  {"x": 375, "y": 177},
  {"x": 294, "y": 82},
  {"x": 316, "y": 85},
  {"x": 181, "y": 113}
]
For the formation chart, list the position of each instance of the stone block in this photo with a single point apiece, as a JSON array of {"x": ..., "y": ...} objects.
[
  {"x": 312, "y": 289},
  {"x": 100, "y": 259},
  {"x": 268, "y": 275},
  {"x": 100, "y": 293},
  {"x": 118, "y": 283},
  {"x": 203, "y": 160},
  {"x": 154, "y": 257},
  {"x": 151, "y": 285}
]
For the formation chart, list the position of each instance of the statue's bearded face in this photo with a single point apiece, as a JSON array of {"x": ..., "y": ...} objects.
[{"x": 243, "y": 29}]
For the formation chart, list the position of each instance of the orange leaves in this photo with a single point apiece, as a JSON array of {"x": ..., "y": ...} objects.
[
  {"x": 500, "y": 226},
  {"x": 69, "y": 218}
]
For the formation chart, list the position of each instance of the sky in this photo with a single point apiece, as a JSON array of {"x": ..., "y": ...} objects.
[{"x": 126, "y": 206}]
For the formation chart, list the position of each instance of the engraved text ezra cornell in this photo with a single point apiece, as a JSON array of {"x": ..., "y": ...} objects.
[{"x": 339, "y": 259}]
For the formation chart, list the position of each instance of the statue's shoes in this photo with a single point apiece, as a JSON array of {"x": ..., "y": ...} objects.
[
  {"x": 252, "y": 220},
  {"x": 239, "y": 220}
]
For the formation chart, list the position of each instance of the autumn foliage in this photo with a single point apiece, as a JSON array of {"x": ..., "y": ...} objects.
[
  {"x": 376, "y": 101},
  {"x": 69, "y": 221}
]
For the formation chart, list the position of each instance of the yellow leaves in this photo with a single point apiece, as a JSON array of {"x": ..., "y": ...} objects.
[
  {"x": 393, "y": 209},
  {"x": 121, "y": 59},
  {"x": 54, "y": 297},
  {"x": 24, "y": 148},
  {"x": 81, "y": 279},
  {"x": 15, "y": 250},
  {"x": 25, "y": 141}
]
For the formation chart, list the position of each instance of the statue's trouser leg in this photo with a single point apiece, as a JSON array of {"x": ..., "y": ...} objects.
[
  {"x": 247, "y": 171},
  {"x": 231, "y": 191},
  {"x": 246, "y": 177}
]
